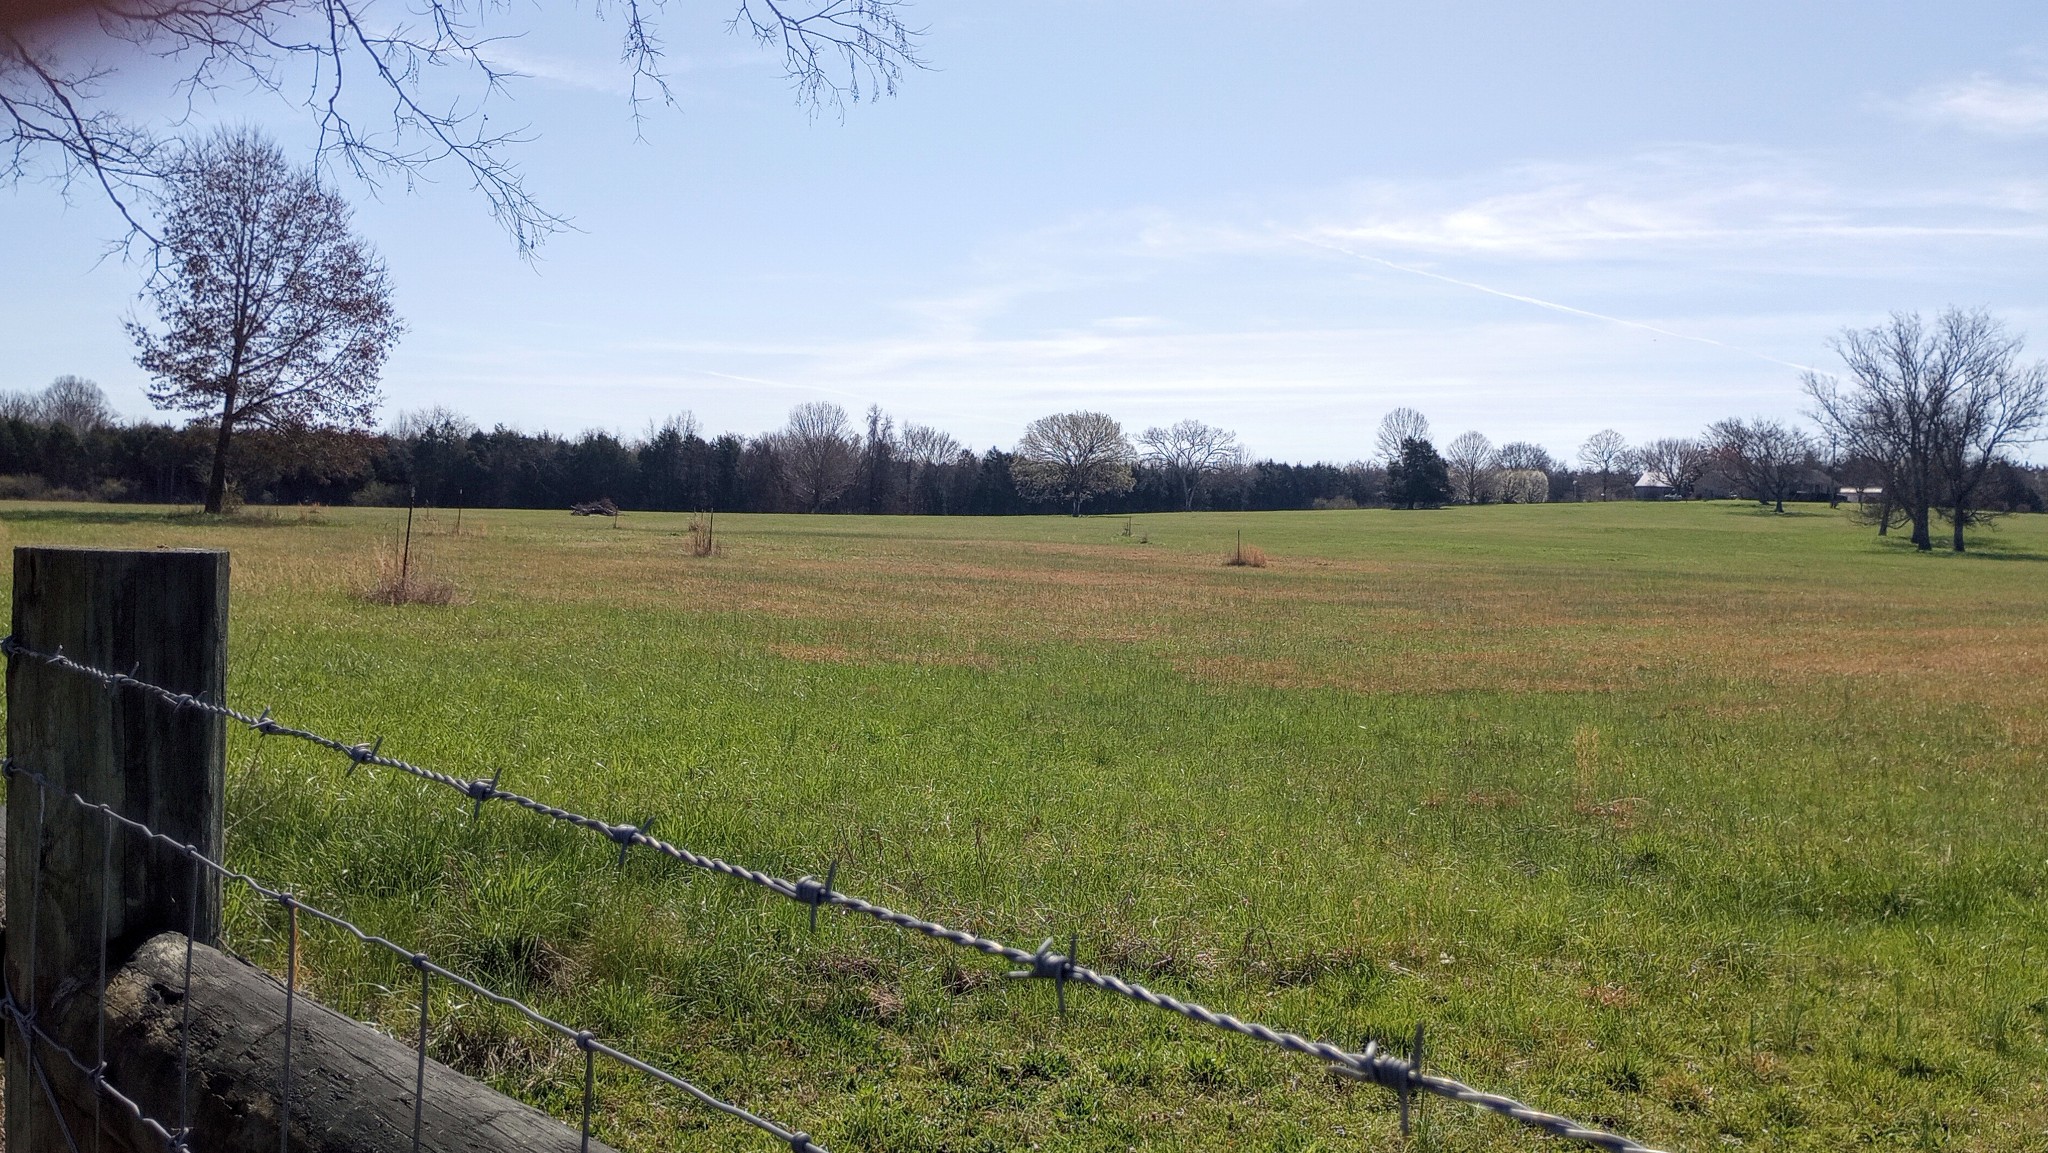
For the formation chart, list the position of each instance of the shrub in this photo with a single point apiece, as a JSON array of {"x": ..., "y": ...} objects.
[{"x": 380, "y": 494}]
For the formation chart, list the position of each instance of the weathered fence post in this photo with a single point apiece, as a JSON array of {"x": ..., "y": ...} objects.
[{"x": 161, "y": 615}]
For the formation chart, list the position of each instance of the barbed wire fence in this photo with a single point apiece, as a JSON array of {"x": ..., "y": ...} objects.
[{"x": 1402, "y": 1074}]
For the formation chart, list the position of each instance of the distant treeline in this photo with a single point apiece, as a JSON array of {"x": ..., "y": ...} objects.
[
  {"x": 439, "y": 459},
  {"x": 504, "y": 468}
]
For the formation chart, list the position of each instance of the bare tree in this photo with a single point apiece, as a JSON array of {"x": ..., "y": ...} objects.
[
  {"x": 1401, "y": 424},
  {"x": 1073, "y": 457},
  {"x": 926, "y": 448},
  {"x": 1996, "y": 406},
  {"x": 1677, "y": 462},
  {"x": 1604, "y": 453},
  {"x": 1930, "y": 410},
  {"x": 1521, "y": 455},
  {"x": 76, "y": 403},
  {"x": 438, "y": 421},
  {"x": 1190, "y": 453},
  {"x": 26, "y": 407},
  {"x": 275, "y": 313},
  {"x": 877, "y": 474},
  {"x": 1769, "y": 459},
  {"x": 679, "y": 427},
  {"x": 1470, "y": 457},
  {"x": 817, "y": 454},
  {"x": 432, "y": 69}
]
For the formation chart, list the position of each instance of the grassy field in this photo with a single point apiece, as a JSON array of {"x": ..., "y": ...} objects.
[{"x": 1721, "y": 828}]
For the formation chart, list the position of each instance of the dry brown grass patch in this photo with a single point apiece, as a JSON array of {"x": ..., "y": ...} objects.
[
  {"x": 400, "y": 583},
  {"x": 1609, "y": 996}
]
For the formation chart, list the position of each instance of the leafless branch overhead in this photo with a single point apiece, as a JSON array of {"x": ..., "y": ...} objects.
[{"x": 396, "y": 88}]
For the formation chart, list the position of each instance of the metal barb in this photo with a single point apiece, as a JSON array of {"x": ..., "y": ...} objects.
[
  {"x": 483, "y": 791},
  {"x": 357, "y": 754},
  {"x": 813, "y": 893},
  {"x": 629, "y": 835},
  {"x": 1047, "y": 964}
]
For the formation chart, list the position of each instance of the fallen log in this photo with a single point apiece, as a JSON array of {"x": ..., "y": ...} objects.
[{"x": 352, "y": 1086}]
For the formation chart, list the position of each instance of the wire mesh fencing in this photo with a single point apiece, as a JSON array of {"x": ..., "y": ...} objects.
[{"x": 1403, "y": 1074}]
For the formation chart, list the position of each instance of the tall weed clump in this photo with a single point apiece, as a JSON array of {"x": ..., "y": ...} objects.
[
  {"x": 703, "y": 536},
  {"x": 403, "y": 579}
]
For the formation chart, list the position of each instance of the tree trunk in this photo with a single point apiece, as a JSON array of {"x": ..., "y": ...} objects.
[
  {"x": 1960, "y": 516},
  {"x": 1781, "y": 505},
  {"x": 1884, "y": 515},
  {"x": 217, "y": 484},
  {"x": 1923, "y": 539}
]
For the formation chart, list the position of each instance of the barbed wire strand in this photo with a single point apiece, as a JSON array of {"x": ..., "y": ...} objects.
[
  {"x": 797, "y": 1140},
  {"x": 1368, "y": 1064}
]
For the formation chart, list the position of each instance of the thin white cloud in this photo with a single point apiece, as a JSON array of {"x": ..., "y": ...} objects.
[
  {"x": 1651, "y": 292},
  {"x": 1649, "y": 205},
  {"x": 1555, "y": 306},
  {"x": 1988, "y": 105},
  {"x": 589, "y": 76}
]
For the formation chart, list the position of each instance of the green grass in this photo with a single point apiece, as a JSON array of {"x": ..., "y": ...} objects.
[{"x": 1716, "y": 827}]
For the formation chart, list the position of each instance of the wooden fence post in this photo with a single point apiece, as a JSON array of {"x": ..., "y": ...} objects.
[{"x": 161, "y": 615}]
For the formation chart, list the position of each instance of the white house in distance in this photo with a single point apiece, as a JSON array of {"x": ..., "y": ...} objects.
[
  {"x": 1654, "y": 486},
  {"x": 1847, "y": 495}
]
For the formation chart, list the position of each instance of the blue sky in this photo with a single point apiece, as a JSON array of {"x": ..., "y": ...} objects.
[{"x": 1284, "y": 217}]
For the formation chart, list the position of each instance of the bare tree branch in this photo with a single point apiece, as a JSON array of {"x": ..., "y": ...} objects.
[{"x": 329, "y": 57}]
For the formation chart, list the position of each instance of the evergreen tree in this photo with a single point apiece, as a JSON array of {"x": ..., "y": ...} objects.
[{"x": 1418, "y": 478}]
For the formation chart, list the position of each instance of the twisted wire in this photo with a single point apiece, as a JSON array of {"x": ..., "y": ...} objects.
[
  {"x": 30, "y": 1031},
  {"x": 1369, "y": 1064},
  {"x": 797, "y": 1141}
]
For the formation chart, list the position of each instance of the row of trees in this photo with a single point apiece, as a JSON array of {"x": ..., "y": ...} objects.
[
  {"x": 66, "y": 440},
  {"x": 1927, "y": 421}
]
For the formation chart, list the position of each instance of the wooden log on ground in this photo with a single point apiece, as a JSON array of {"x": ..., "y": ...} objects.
[{"x": 352, "y": 1086}]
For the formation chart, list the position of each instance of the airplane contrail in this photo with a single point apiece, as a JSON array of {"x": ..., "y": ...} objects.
[{"x": 1551, "y": 304}]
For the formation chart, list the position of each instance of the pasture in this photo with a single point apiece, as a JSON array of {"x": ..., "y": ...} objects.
[{"x": 1720, "y": 828}]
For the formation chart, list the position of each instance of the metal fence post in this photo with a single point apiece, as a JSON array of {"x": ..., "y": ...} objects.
[{"x": 160, "y": 615}]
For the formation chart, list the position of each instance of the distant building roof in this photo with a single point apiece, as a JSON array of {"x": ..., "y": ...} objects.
[{"x": 1654, "y": 480}]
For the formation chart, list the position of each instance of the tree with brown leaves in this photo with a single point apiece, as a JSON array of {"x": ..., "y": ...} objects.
[{"x": 274, "y": 313}]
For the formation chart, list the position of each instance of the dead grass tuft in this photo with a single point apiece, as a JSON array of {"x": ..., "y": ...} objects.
[
  {"x": 1247, "y": 556},
  {"x": 1609, "y": 996},
  {"x": 400, "y": 583},
  {"x": 703, "y": 540},
  {"x": 1620, "y": 812}
]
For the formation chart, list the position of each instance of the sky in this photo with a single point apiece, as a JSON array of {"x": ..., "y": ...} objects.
[{"x": 1284, "y": 217}]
